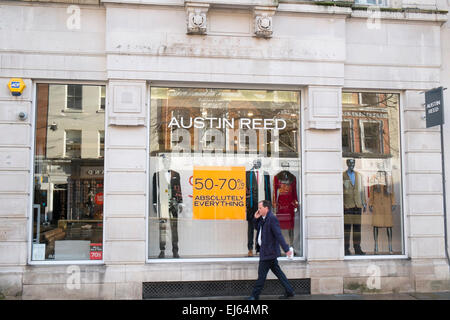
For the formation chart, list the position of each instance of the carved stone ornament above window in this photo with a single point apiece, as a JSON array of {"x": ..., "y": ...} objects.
[
  {"x": 263, "y": 21},
  {"x": 196, "y": 15}
]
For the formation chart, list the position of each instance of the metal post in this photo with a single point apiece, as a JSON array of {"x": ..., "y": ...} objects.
[{"x": 444, "y": 195}]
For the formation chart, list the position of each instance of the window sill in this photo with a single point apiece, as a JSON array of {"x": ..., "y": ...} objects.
[
  {"x": 65, "y": 262},
  {"x": 71, "y": 111}
]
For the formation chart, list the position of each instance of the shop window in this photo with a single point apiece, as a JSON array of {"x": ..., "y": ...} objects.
[
  {"x": 68, "y": 175},
  {"x": 372, "y": 177},
  {"x": 214, "y": 153}
]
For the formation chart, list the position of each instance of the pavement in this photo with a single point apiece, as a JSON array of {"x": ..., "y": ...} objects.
[{"x": 392, "y": 296}]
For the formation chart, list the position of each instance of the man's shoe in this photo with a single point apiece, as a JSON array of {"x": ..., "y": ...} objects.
[
  {"x": 347, "y": 252},
  {"x": 251, "y": 298},
  {"x": 287, "y": 296},
  {"x": 176, "y": 255},
  {"x": 359, "y": 252},
  {"x": 161, "y": 255},
  {"x": 250, "y": 253}
]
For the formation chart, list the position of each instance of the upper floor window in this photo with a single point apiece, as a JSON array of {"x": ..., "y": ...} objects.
[
  {"x": 372, "y": 2},
  {"x": 102, "y": 97},
  {"x": 74, "y": 96}
]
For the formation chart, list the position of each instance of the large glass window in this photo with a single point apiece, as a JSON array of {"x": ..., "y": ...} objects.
[
  {"x": 68, "y": 174},
  {"x": 214, "y": 153},
  {"x": 372, "y": 179}
]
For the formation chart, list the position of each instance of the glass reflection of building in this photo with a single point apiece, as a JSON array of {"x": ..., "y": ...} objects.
[
  {"x": 371, "y": 136},
  {"x": 69, "y": 158}
]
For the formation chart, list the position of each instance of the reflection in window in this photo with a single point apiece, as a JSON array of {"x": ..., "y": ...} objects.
[
  {"x": 372, "y": 133},
  {"x": 101, "y": 137},
  {"x": 347, "y": 136},
  {"x": 73, "y": 143},
  {"x": 373, "y": 215},
  {"x": 68, "y": 175},
  {"x": 214, "y": 153},
  {"x": 74, "y": 96},
  {"x": 372, "y": 2},
  {"x": 102, "y": 97}
]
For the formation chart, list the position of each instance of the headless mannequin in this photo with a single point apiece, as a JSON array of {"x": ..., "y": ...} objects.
[
  {"x": 250, "y": 227},
  {"x": 380, "y": 176},
  {"x": 166, "y": 166},
  {"x": 163, "y": 221},
  {"x": 285, "y": 165},
  {"x": 389, "y": 234}
]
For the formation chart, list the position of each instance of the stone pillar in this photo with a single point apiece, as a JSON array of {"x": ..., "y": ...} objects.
[
  {"x": 125, "y": 173},
  {"x": 424, "y": 197},
  {"x": 323, "y": 182},
  {"x": 15, "y": 166}
]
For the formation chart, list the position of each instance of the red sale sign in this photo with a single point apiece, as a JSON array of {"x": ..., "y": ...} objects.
[
  {"x": 96, "y": 251},
  {"x": 99, "y": 198}
]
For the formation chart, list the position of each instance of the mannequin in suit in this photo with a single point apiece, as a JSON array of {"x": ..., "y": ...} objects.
[
  {"x": 167, "y": 199},
  {"x": 354, "y": 203},
  {"x": 257, "y": 189}
]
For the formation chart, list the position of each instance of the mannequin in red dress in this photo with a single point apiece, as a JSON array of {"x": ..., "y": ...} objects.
[{"x": 285, "y": 200}]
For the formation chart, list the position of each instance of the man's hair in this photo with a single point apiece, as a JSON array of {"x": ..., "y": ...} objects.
[{"x": 266, "y": 204}]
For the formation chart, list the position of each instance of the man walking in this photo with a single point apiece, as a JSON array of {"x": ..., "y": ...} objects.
[{"x": 269, "y": 240}]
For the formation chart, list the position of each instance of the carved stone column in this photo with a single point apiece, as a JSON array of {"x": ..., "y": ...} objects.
[
  {"x": 263, "y": 21},
  {"x": 196, "y": 15}
]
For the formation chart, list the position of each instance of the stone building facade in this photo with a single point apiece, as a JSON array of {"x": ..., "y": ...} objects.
[{"x": 320, "y": 50}]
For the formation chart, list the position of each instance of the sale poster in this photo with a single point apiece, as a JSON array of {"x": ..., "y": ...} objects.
[
  {"x": 96, "y": 251},
  {"x": 219, "y": 193}
]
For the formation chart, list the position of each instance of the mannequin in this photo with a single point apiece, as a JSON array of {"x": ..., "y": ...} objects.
[
  {"x": 381, "y": 205},
  {"x": 251, "y": 205},
  {"x": 257, "y": 189},
  {"x": 167, "y": 203},
  {"x": 354, "y": 203},
  {"x": 285, "y": 200}
]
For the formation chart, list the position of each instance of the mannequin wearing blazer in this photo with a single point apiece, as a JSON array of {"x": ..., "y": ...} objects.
[{"x": 166, "y": 199}]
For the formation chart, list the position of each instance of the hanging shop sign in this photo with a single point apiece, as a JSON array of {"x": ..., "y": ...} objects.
[
  {"x": 219, "y": 193},
  {"x": 434, "y": 107}
]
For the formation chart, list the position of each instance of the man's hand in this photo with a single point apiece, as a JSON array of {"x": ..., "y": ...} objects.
[
  {"x": 290, "y": 253},
  {"x": 257, "y": 214}
]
